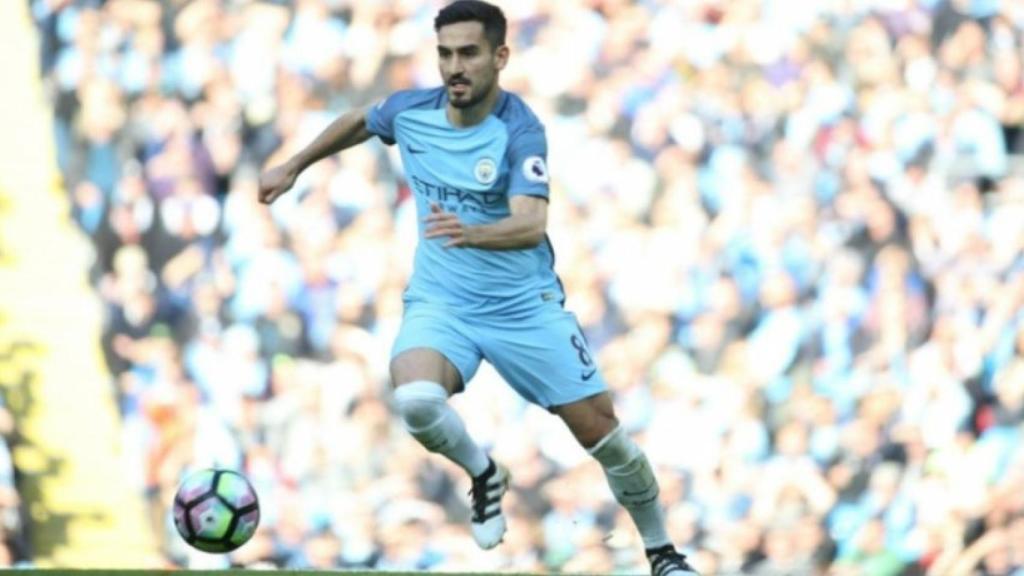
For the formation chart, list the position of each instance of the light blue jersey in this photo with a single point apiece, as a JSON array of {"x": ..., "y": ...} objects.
[
  {"x": 471, "y": 172},
  {"x": 504, "y": 306}
]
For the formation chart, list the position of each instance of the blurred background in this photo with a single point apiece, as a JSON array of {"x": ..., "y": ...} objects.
[{"x": 791, "y": 231}]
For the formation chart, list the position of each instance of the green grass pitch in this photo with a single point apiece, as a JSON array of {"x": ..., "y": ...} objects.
[{"x": 101, "y": 572}]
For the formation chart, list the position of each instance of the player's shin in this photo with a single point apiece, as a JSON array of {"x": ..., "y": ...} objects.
[
  {"x": 633, "y": 483},
  {"x": 423, "y": 406}
]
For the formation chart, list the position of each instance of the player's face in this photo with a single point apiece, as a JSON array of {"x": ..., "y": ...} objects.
[{"x": 469, "y": 66}]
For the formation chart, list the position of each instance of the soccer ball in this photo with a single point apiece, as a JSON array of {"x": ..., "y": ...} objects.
[{"x": 216, "y": 510}]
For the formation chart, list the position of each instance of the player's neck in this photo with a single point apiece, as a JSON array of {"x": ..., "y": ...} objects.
[{"x": 473, "y": 115}]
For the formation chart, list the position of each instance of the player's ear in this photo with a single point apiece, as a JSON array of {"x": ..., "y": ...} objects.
[{"x": 501, "y": 57}]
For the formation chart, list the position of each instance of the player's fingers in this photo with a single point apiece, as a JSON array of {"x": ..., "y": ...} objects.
[
  {"x": 441, "y": 217},
  {"x": 438, "y": 231},
  {"x": 442, "y": 229},
  {"x": 435, "y": 208}
]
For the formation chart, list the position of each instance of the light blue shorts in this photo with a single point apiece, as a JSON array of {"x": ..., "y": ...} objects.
[{"x": 544, "y": 357}]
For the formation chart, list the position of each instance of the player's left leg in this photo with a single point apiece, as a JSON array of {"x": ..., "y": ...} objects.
[
  {"x": 547, "y": 360},
  {"x": 592, "y": 421}
]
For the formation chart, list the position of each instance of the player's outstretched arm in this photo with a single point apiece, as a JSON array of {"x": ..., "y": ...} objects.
[
  {"x": 347, "y": 131},
  {"x": 523, "y": 228}
]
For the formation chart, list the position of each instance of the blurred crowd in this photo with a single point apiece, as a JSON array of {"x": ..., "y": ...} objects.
[{"x": 791, "y": 230}]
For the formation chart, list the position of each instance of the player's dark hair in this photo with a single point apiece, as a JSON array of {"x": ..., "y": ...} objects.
[{"x": 492, "y": 18}]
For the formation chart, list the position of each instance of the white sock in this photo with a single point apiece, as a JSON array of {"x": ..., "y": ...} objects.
[
  {"x": 424, "y": 408},
  {"x": 633, "y": 483}
]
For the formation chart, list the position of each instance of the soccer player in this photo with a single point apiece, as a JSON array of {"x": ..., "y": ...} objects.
[{"x": 483, "y": 284}]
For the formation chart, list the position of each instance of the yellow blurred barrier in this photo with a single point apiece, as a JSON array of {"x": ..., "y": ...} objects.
[{"x": 83, "y": 514}]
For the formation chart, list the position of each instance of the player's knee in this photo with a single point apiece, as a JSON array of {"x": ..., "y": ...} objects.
[
  {"x": 615, "y": 449},
  {"x": 628, "y": 471},
  {"x": 421, "y": 403}
]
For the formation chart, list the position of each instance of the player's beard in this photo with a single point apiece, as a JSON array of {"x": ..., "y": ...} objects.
[{"x": 470, "y": 98}]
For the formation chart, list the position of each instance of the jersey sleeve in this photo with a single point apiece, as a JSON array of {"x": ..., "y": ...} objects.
[
  {"x": 528, "y": 170},
  {"x": 380, "y": 119}
]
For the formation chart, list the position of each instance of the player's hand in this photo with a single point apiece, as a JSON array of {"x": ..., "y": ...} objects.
[
  {"x": 441, "y": 223},
  {"x": 277, "y": 181}
]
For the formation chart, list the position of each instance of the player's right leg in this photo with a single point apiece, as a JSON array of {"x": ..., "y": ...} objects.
[{"x": 431, "y": 360}]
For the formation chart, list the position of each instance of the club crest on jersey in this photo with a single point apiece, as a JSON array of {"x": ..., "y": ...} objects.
[
  {"x": 486, "y": 171},
  {"x": 535, "y": 170}
]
